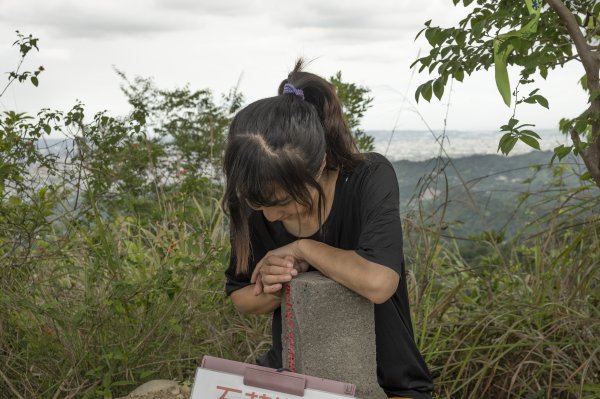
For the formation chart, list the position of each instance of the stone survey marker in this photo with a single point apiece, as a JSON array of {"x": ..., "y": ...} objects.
[
  {"x": 329, "y": 331},
  {"x": 328, "y": 337}
]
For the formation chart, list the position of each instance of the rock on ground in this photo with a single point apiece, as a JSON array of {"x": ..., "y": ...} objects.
[{"x": 160, "y": 389}]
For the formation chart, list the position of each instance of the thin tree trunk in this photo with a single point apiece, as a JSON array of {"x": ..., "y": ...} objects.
[{"x": 590, "y": 59}]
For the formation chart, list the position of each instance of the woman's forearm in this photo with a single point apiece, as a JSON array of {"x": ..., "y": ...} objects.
[
  {"x": 245, "y": 301},
  {"x": 371, "y": 280}
]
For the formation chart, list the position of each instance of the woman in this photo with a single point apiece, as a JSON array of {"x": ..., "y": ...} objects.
[{"x": 299, "y": 193}]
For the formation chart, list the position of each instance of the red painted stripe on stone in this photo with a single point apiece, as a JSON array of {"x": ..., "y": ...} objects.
[{"x": 289, "y": 319}]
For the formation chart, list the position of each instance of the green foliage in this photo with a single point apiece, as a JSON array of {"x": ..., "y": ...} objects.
[
  {"x": 25, "y": 45},
  {"x": 109, "y": 306},
  {"x": 500, "y": 315},
  {"x": 111, "y": 265},
  {"x": 355, "y": 102},
  {"x": 533, "y": 36},
  {"x": 190, "y": 129},
  {"x": 515, "y": 133}
]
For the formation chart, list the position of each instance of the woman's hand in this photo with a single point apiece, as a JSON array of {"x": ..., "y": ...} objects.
[{"x": 278, "y": 266}]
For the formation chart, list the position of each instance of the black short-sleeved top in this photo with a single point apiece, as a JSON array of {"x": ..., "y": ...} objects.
[{"x": 364, "y": 217}]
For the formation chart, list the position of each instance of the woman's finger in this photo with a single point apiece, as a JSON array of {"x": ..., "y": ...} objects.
[
  {"x": 271, "y": 289},
  {"x": 256, "y": 272},
  {"x": 271, "y": 272},
  {"x": 276, "y": 278},
  {"x": 293, "y": 261},
  {"x": 274, "y": 260},
  {"x": 258, "y": 287}
]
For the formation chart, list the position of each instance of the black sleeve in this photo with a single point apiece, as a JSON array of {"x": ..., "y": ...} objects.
[
  {"x": 235, "y": 281},
  {"x": 380, "y": 239}
]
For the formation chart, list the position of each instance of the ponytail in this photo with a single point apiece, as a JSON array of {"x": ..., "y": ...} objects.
[{"x": 341, "y": 150}]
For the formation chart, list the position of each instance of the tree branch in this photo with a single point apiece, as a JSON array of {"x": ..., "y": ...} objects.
[{"x": 589, "y": 62}]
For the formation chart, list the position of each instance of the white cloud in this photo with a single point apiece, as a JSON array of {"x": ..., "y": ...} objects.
[
  {"x": 221, "y": 8},
  {"x": 209, "y": 43},
  {"x": 92, "y": 19},
  {"x": 356, "y": 21},
  {"x": 336, "y": 21}
]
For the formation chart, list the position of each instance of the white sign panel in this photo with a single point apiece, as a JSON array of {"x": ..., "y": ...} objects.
[{"x": 211, "y": 384}]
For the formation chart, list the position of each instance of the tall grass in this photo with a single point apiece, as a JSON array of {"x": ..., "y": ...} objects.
[
  {"x": 521, "y": 319},
  {"x": 105, "y": 305}
]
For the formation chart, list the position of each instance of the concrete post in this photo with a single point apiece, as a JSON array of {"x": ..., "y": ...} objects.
[{"x": 329, "y": 332}]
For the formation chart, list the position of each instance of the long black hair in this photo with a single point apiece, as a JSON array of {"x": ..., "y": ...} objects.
[{"x": 280, "y": 143}]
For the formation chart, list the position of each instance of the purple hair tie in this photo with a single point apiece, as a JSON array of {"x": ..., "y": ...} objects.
[{"x": 289, "y": 88}]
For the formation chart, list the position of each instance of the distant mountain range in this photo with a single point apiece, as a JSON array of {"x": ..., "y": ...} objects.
[{"x": 486, "y": 192}]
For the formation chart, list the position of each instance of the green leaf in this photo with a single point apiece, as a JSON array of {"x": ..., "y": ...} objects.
[
  {"x": 564, "y": 125},
  {"x": 530, "y": 133},
  {"x": 501, "y": 71},
  {"x": 524, "y": 125},
  {"x": 107, "y": 379},
  {"x": 34, "y": 80},
  {"x": 47, "y": 128},
  {"x": 424, "y": 91},
  {"x": 583, "y": 82},
  {"x": 459, "y": 75},
  {"x": 503, "y": 48},
  {"x": 427, "y": 91},
  {"x": 561, "y": 151},
  {"x": 530, "y": 141},
  {"x": 507, "y": 142},
  {"x": 542, "y": 101},
  {"x": 512, "y": 122},
  {"x": 438, "y": 88},
  {"x": 419, "y": 33},
  {"x": 431, "y": 35},
  {"x": 580, "y": 126}
]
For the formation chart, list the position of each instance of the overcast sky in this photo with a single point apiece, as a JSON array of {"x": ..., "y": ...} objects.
[{"x": 213, "y": 44}]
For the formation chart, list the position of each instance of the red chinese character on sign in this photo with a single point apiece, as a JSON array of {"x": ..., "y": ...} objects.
[
  {"x": 226, "y": 391},
  {"x": 252, "y": 395},
  {"x": 264, "y": 396}
]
